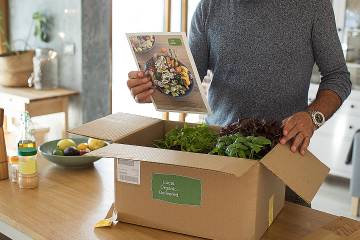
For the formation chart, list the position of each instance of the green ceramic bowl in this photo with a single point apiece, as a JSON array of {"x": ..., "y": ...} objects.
[{"x": 47, "y": 148}]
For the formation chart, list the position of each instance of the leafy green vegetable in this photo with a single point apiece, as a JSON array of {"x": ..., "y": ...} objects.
[
  {"x": 199, "y": 139},
  {"x": 235, "y": 145}
]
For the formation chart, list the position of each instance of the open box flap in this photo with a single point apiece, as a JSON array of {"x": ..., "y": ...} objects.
[
  {"x": 234, "y": 166},
  {"x": 114, "y": 127},
  {"x": 303, "y": 174}
]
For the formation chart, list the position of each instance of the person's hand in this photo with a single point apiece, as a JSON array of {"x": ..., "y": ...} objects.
[
  {"x": 299, "y": 128},
  {"x": 140, "y": 86}
]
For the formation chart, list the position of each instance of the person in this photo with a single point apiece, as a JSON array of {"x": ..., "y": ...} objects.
[{"x": 262, "y": 54}]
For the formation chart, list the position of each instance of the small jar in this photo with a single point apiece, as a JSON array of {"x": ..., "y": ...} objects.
[
  {"x": 14, "y": 168},
  {"x": 28, "y": 180}
]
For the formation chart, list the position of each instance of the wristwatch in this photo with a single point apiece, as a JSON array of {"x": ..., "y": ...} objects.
[{"x": 317, "y": 117}]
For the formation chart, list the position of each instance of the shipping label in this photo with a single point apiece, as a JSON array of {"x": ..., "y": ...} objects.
[
  {"x": 176, "y": 189},
  {"x": 128, "y": 171}
]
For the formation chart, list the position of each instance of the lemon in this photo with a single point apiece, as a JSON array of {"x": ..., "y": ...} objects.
[
  {"x": 95, "y": 144},
  {"x": 65, "y": 143}
]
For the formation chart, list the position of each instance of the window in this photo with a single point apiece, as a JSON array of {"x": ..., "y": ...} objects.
[
  {"x": 137, "y": 16},
  {"x": 131, "y": 16}
]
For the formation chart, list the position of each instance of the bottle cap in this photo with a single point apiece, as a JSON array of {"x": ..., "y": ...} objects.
[{"x": 13, "y": 159}]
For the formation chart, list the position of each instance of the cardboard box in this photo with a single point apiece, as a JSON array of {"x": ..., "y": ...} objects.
[{"x": 203, "y": 195}]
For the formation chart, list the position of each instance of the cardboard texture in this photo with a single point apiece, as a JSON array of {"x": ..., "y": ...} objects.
[
  {"x": 304, "y": 175},
  {"x": 208, "y": 196},
  {"x": 114, "y": 127},
  {"x": 194, "y": 160}
]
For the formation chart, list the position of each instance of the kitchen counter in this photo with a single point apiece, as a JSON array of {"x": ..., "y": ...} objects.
[{"x": 69, "y": 202}]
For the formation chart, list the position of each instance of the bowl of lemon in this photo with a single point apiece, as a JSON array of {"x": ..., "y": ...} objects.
[{"x": 71, "y": 152}]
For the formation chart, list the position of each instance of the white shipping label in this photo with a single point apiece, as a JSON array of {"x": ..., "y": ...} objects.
[{"x": 128, "y": 171}]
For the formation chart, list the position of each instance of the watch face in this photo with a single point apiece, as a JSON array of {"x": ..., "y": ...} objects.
[{"x": 319, "y": 118}]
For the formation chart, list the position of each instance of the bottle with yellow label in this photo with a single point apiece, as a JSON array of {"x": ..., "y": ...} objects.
[{"x": 28, "y": 173}]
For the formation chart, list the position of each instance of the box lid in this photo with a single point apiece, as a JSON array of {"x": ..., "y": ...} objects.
[
  {"x": 303, "y": 174},
  {"x": 230, "y": 165},
  {"x": 114, "y": 127}
]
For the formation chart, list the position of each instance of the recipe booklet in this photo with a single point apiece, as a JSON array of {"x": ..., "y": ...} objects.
[{"x": 167, "y": 58}]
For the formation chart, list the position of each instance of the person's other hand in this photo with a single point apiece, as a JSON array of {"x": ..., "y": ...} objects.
[
  {"x": 299, "y": 128},
  {"x": 140, "y": 86}
]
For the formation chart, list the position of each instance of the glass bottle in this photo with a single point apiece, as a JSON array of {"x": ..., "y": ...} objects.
[
  {"x": 28, "y": 174},
  {"x": 45, "y": 69}
]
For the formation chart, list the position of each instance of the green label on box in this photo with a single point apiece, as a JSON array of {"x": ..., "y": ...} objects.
[
  {"x": 176, "y": 189},
  {"x": 174, "y": 41}
]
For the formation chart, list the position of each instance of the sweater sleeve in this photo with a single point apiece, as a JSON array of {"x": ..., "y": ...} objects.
[
  {"x": 198, "y": 39},
  {"x": 328, "y": 51}
]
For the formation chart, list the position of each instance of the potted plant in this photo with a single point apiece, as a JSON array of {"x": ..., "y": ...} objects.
[{"x": 17, "y": 66}]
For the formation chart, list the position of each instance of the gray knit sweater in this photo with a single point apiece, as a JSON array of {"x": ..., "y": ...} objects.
[{"x": 262, "y": 53}]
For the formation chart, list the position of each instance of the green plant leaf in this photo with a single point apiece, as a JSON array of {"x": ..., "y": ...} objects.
[
  {"x": 261, "y": 140},
  {"x": 201, "y": 139},
  {"x": 41, "y": 29}
]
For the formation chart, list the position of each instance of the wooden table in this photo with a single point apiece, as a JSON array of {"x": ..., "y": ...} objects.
[
  {"x": 36, "y": 102},
  {"x": 68, "y": 203}
]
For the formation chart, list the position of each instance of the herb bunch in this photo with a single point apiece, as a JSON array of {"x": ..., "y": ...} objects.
[
  {"x": 199, "y": 139},
  {"x": 236, "y": 145},
  {"x": 246, "y": 138},
  {"x": 271, "y": 130}
]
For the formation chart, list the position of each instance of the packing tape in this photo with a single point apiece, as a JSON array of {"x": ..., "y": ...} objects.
[{"x": 271, "y": 209}]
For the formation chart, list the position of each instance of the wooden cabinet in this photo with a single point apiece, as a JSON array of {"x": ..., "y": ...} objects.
[{"x": 331, "y": 143}]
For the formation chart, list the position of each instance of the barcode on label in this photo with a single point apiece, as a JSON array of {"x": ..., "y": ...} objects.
[
  {"x": 129, "y": 179},
  {"x": 128, "y": 171},
  {"x": 126, "y": 162}
]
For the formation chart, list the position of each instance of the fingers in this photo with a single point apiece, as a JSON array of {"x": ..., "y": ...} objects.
[
  {"x": 298, "y": 128},
  {"x": 297, "y": 142},
  {"x": 140, "y": 88},
  {"x": 137, "y": 81},
  {"x": 289, "y": 134},
  {"x": 288, "y": 126},
  {"x": 305, "y": 145},
  {"x": 137, "y": 78},
  {"x": 144, "y": 97},
  {"x": 140, "y": 84},
  {"x": 136, "y": 74}
]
